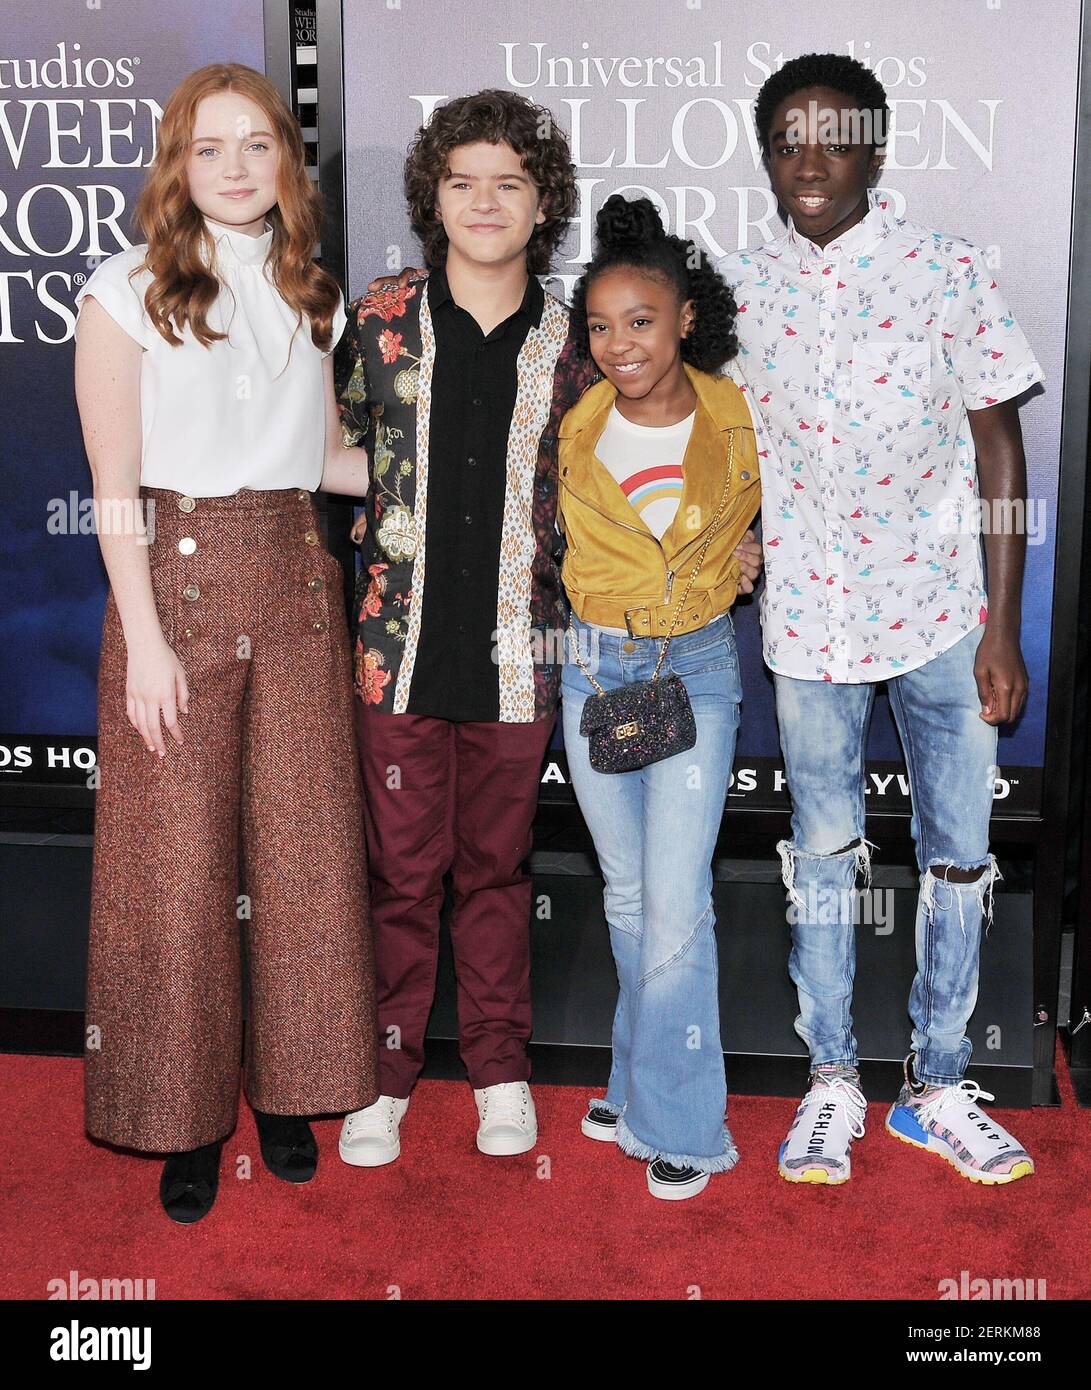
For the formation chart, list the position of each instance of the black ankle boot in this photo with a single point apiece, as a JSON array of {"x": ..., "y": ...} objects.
[
  {"x": 288, "y": 1147},
  {"x": 189, "y": 1183}
]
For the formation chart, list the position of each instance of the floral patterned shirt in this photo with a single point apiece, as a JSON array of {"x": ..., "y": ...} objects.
[
  {"x": 860, "y": 362},
  {"x": 384, "y": 378}
]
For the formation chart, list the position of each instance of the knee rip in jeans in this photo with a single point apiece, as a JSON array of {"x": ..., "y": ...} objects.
[
  {"x": 860, "y": 851},
  {"x": 706, "y": 920},
  {"x": 981, "y": 887}
]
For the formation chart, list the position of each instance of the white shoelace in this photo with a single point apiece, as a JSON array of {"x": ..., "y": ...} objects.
[
  {"x": 966, "y": 1093},
  {"x": 508, "y": 1101},
  {"x": 374, "y": 1120},
  {"x": 844, "y": 1094}
]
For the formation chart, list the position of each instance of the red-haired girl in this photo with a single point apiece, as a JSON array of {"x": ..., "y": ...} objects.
[{"x": 205, "y": 391}]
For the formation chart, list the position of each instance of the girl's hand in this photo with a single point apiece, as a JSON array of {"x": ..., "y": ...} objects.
[
  {"x": 359, "y": 529},
  {"x": 155, "y": 686}
]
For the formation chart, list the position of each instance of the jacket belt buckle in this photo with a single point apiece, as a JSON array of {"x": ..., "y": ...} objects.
[{"x": 641, "y": 608}]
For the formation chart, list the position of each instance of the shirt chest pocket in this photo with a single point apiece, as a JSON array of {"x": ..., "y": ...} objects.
[{"x": 891, "y": 384}]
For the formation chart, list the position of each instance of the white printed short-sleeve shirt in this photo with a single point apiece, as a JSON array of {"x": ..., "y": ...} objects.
[{"x": 860, "y": 362}]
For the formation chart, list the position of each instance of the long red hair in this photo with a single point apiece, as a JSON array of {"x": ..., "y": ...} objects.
[{"x": 184, "y": 289}]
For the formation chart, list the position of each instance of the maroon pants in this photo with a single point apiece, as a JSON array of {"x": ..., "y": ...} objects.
[{"x": 440, "y": 795}]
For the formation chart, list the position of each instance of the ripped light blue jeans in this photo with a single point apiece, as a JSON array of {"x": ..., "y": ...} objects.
[
  {"x": 655, "y": 831},
  {"x": 950, "y": 755}
]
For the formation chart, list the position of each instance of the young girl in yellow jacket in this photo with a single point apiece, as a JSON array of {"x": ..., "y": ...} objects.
[{"x": 658, "y": 484}]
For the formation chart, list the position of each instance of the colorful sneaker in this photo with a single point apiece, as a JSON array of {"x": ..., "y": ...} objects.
[
  {"x": 947, "y": 1120},
  {"x": 829, "y": 1118},
  {"x": 600, "y": 1123}
]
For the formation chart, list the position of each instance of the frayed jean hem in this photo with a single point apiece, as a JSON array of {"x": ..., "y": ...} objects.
[
  {"x": 636, "y": 1148},
  {"x": 602, "y": 1104}
]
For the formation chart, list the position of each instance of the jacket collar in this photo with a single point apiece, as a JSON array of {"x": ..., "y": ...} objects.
[
  {"x": 720, "y": 407},
  {"x": 718, "y": 396}
]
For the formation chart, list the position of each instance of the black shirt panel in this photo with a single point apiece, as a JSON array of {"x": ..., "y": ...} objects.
[{"x": 474, "y": 384}]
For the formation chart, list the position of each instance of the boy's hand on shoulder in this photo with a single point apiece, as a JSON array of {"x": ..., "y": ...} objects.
[{"x": 389, "y": 282}]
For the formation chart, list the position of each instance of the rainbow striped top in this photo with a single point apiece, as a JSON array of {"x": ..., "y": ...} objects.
[{"x": 646, "y": 463}]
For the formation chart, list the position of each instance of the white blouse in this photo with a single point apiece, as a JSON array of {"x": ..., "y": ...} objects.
[{"x": 247, "y": 411}]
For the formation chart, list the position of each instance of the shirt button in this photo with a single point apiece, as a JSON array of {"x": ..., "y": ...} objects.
[
  {"x": 319, "y": 626},
  {"x": 472, "y": 462},
  {"x": 303, "y": 494},
  {"x": 745, "y": 475},
  {"x": 187, "y": 545},
  {"x": 316, "y": 584},
  {"x": 311, "y": 537},
  {"x": 191, "y": 591},
  {"x": 186, "y": 504},
  {"x": 476, "y": 400},
  {"x": 468, "y": 520},
  {"x": 465, "y": 574}
]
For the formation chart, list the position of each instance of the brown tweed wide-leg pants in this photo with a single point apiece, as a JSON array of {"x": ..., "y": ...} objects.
[{"x": 250, "y": 600}]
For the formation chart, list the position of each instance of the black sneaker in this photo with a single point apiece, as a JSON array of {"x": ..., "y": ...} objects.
[
  {"x": 600, "y": 1123},
  {"x": 674, "y": 1184},
  {"x": 288, "y": 1147},
  {"x": 190, "y": 1182}
]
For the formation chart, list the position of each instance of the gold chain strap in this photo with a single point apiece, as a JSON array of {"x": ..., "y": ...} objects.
[{"x": 689, "y": 585}]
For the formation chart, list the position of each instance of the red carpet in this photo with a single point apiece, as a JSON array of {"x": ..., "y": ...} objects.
[{"x": 572, "y": 1219}]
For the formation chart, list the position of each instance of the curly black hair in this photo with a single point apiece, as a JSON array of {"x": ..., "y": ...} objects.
[
  {"x": 631, "y": 234},
  {"x": 493, "y": 116},
  {"x": 836, "y": 70}
]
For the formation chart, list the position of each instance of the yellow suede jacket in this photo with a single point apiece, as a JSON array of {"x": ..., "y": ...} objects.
[{"x": 615, "y": 572}]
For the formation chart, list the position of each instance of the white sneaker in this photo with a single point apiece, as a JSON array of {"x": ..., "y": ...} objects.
[
  {"x": 829, "y": 1118},
  {"x": 509, "y": 1124},
  {"x": 370, "y": 1137}
]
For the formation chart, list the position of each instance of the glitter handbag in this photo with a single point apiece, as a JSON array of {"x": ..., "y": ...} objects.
[{"x": 650, "y": 720}]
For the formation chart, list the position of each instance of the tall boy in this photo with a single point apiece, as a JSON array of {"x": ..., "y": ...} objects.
[{"x": 882, "y": 366}]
